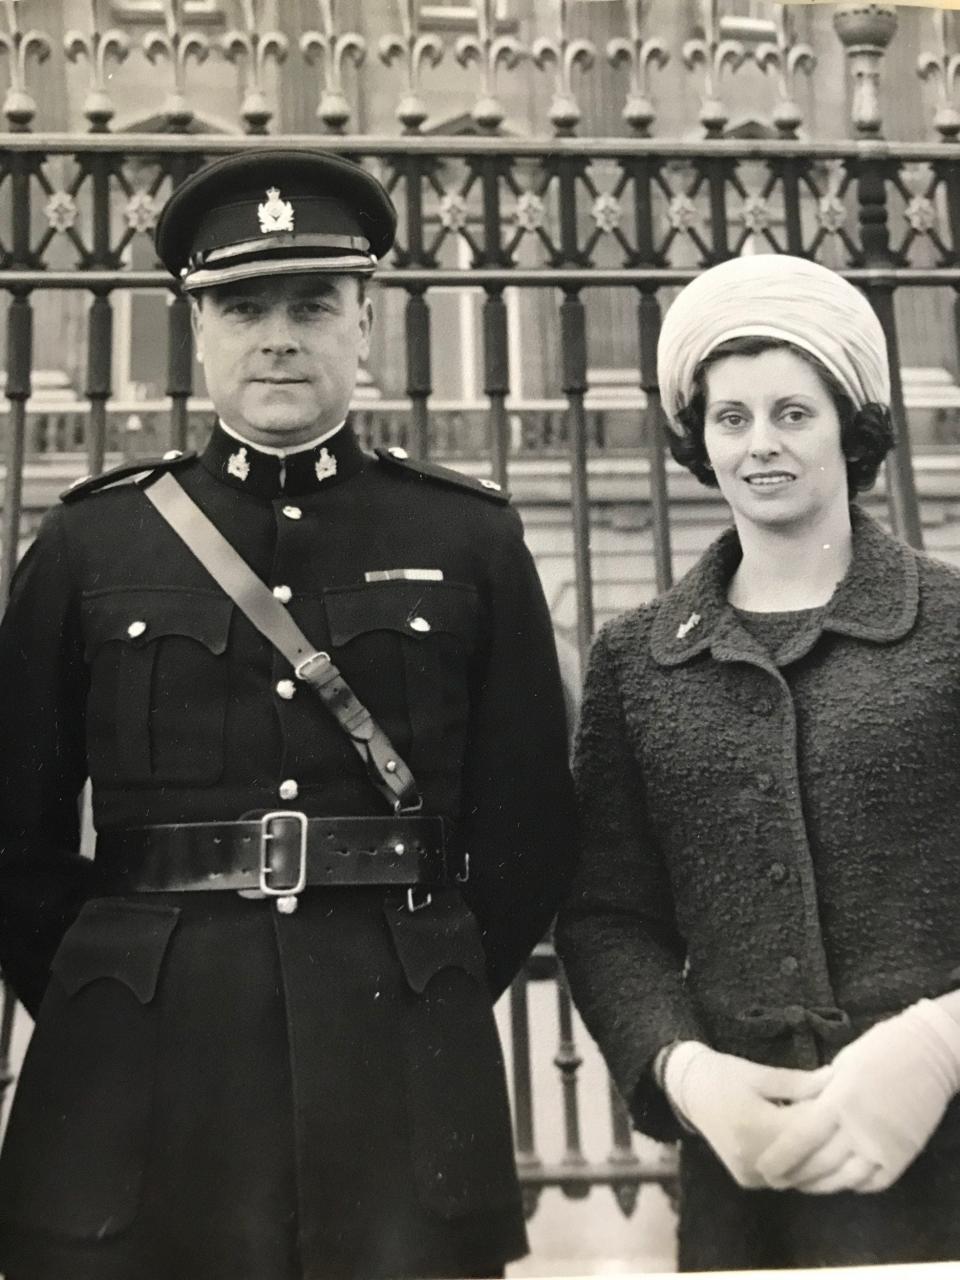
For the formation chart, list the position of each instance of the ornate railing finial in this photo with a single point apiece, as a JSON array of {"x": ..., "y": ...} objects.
[
  {"x": 865, "y": 31},
  {"x": 640, "y": 54},
  {"x": 253, "y": 47},
  {"x": 714, "y": 54},
  {"x": 565, "y": 54},
  {"x": 179, "y": 46},
  {"x": 413, "y": 49},
  {"x": 19, "y": 106},
  {"x": 330, "y": 49},
  {"x": 944, "y": 67},
  {"x": 97, "y": 47},
  {"x": 786, "y": 56},
  {"x": 488, "y": 49}
]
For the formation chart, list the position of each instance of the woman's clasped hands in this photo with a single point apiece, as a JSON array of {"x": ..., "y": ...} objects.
[{"x": 854, "y": 1125}]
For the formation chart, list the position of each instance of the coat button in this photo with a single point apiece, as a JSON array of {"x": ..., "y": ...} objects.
[
  {"x": 765, "y": 781},
  {"x": 794, "y": 1015},
  {"x": 283, "y": 594},
  {"x": 292, "y": 513},
  {"x": 763, "y": 706},
  {"x": 286, "y": 689},
  {"x": 288, "y": 789},
  {"x": 789, "y": 965},
  {"x": 777, "y": 872},
  {"x": 420, "y": 624},
  {"x": 136, "y": 629}
]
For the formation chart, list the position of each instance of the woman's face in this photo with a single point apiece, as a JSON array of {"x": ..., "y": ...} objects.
[{"x": 772, "y": 436}]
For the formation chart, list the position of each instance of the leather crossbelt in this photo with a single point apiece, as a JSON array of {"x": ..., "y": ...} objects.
[
  {"x": 386, "y": 770},
  {"x": 277, "y": 855}
]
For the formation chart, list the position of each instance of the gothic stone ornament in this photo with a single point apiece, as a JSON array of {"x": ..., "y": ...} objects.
[
  {"x": 275, "y": 214},
  {"x": 325, "y": 465},
  {"x": 237, "y": 464}
]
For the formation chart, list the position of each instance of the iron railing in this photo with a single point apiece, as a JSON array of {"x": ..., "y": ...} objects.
[{"x": 561, "y": 217}]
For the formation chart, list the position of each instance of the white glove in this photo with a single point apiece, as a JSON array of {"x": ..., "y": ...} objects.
[
  {"x": 883, "y": 1097},
  {"x": 733, "y": 1103}
]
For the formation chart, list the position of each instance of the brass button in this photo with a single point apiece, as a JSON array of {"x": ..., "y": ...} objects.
[
  {"x": 283, "y": 594},
  {"x": 420, "y": 624},
  {"x": 286, "y": 689},
  {"x": 490, "y": 484},
  {"x": 391, "y": 766},
  {"x": 292, "y": 513},
  {"x": 288, "y": 789},
  {"x": 172, "y": 454},
  {"x": 136, "y": 629},
  {"x": 398, "y": 452}
]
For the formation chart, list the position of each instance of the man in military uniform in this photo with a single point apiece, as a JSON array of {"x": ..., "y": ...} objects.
[{"x": 264, "y": 1046}]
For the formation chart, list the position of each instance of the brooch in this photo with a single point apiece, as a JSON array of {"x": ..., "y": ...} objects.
[{"x": 685, "y": 627}]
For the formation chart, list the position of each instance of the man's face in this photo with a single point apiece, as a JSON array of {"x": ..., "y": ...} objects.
[{"x": 281, "y": 353}]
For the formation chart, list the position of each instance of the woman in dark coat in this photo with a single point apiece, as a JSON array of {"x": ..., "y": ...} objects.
[{"x": 764, "y": 937}]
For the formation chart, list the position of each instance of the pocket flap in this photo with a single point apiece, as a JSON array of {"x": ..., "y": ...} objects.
[
  {"x": 137, "y": 616},
  {"x": 114, "y": 938},
  {"x": 442, "y": 935},
  {"x": 414, "y": 609}
]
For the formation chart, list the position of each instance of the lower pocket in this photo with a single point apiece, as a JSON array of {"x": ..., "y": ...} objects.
[
  {"x": 453, "y": 1066},
  {"x": 77, "y": 1141}
]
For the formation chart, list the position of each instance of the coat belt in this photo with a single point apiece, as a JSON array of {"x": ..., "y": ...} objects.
[{"x": 278, "y": 853}]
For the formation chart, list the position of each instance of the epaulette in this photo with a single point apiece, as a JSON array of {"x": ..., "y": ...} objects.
[
  {"x": 397, "y": 457},
  {"x": 92, "y": 484}
]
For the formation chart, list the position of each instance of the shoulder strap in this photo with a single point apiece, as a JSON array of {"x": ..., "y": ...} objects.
[
  {"x": 401, "y": 461},
  {"x": 253, "y": 598},
  {"x": 137, "y": 466}
]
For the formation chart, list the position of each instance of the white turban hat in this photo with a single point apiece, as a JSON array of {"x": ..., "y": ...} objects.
[{"x": 774, "y": 295}]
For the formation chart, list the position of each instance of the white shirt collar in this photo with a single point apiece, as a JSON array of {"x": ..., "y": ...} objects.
[{"x": 281, "y": 453}]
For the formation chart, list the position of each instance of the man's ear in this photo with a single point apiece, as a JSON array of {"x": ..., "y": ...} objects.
[
  {"x": 196, "y": 324},
  {"x": 366, "y": 327}
]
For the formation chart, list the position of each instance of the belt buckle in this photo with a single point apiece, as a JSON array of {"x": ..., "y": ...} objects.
[{"x": 285, "y": 895}]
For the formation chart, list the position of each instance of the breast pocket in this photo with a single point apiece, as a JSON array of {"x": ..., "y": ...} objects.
[
  {"x": 79, "y": 1133},
  {"x": 158, "y": 690},
  {"x": 406, "y": 648}
]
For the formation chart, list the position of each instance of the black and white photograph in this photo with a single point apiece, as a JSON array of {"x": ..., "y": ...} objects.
[{"x": 479, "y": 639}]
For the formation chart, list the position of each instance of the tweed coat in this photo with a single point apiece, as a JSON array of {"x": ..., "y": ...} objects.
[
  {"x": 771, "y": 863},
  {"x": 214, "y": 1090}
]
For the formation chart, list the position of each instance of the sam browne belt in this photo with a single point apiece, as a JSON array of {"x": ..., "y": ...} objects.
[{"x": 278, "y": 854}]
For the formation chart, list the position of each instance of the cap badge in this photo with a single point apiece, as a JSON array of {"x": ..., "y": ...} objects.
[
  {"x": 686, "y": 627},
  {"x": 275, "y": 214},
  {"x": 237, "y": 464},
  {"x": 325, "y": 465}
]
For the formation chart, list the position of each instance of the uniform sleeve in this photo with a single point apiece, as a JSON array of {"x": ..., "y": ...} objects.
[
  {"x": 42, "y": 763},
  {"x": 519, "y": 810},
  {"x": 617, "y": 934}
]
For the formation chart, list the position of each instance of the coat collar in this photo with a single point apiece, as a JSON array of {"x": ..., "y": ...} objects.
[
  {"x": 876, "y": 600},
  {"x": 298, "y": 474}
]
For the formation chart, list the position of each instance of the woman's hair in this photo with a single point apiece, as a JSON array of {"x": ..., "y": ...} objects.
[{"x": 866, "y": 434}]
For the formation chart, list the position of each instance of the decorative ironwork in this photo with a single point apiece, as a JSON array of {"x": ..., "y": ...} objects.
[
  {"x": 61, "y": 211},
  {"x": 714, "y": 54},
  {"x": 488, "y": 50},
  {"x": 330, "y": 49},
  {"x": 865, "y": 31},
  {"x": 944, "y": 68},
  {"x": 787, "y": 57},
  {"x": 177, "y": 45},
  {"x": 640, "y": 54},
  {"x": 19, "y": 106},
  {"x": 97, "y": 46},
  {"x": 530, "y": 212},
  {"x": 453, "y": 211},
  {"x": 565, "y": 54},
  {"x": 683, "y": 214},
  {"x": 413, "y": 48},
  {"x": 254, "y": 47},
  {"x": 606, "y": 212},
  {"x": 141, "y": 212}
]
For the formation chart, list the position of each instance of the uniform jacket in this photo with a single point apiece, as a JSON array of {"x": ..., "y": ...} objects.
[{"x": 214, "y": 1089}]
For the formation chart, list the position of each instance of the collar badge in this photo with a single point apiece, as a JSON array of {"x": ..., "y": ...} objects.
[
  {"x": 325, "y": 465},
  {"x": 237, "y": 464},
  {"x": 685, "y": 627},
  {"x": 275, "y": 214}
]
